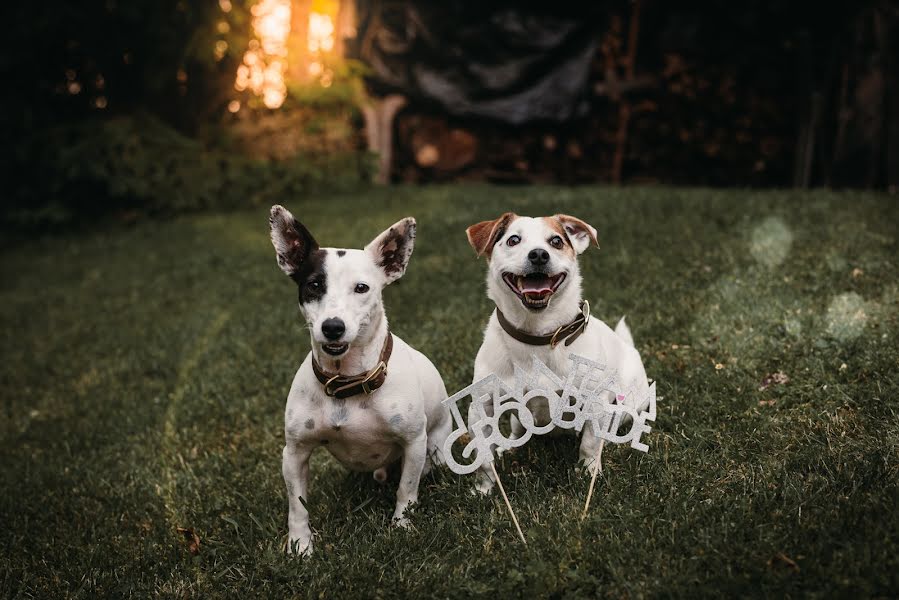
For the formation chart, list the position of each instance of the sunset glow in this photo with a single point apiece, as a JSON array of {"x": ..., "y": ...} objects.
[
  {"x": 265, "y": 60},
  {"x": 264, "y": 64},
  {"x": 320, "y": 41},
  {"x": 321, "y": 33}
]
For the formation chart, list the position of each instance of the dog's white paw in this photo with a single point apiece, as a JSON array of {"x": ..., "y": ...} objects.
[
  {"x": 483, "y": 485},
  {"x": 586, "y": 466},
  {"x": 299, "y": 546},
  {"x": 402, "y": 522}
]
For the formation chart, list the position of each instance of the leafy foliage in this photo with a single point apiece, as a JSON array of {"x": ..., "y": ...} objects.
[
  {"x": 345, "y": 90},
  {"x": 140, "y": 163}
]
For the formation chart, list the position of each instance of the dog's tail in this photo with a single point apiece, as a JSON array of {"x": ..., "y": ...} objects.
[{"x": 624, "y": 332}]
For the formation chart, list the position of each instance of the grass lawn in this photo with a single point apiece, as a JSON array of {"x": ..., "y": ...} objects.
[{"x": 145, "y": 369}]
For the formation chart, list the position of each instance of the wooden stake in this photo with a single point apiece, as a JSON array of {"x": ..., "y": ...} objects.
[
  {"x": 597, "y": 468},
  {"x": 508, "y": 505}
]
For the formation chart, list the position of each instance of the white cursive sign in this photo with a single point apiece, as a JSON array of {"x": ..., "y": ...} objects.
[{"x": 590, "y": 393}]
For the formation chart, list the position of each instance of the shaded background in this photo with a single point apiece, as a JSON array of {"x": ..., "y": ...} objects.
[{"x": 127, "y": 107}]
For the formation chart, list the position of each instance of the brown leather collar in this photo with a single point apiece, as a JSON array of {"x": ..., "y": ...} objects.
[
  {"x": 569, "y": 332},
  {"x": 343, "y": 386}
]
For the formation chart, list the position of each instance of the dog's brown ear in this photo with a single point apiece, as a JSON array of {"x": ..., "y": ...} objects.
[
  {"x": 392, "y": 249},
  {"x": 484, "y": 235},
  {"x": 292, "y": 241},
  {"x": 579, "y": 232}
]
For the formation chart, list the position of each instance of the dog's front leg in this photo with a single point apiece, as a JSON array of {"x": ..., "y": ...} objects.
[
  {"x": 589, "y": 450},
  {"x": 295, "y": 467},
  {"x": 414, "y": 456}
]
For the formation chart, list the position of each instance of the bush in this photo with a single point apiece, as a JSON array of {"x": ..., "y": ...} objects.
[{"x": 138, "y": 163}]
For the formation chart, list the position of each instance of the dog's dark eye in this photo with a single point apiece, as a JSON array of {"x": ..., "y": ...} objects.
[
  {"x": 513, "y": 240},
  {"x": 556, "y": 242},
  {"x": 314, "y": 286},
  {"x": 361, "y": 288}
]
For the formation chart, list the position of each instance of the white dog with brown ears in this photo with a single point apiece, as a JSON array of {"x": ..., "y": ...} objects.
[
  {"x": 534, "y": 280},
  {"x": 362, "y": 392}
]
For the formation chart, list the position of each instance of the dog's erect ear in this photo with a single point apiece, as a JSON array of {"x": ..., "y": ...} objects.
[
  {"x": 292, "y": 241},
  {"x": 483, "y": 236},
  {"x": 393, "y": 248},
  {"x": 579, "y": 232}
]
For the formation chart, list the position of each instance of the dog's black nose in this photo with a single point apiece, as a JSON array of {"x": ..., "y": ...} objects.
[
  {"x": 538, "y": 257},
  {"x": 333, "y": 328}
]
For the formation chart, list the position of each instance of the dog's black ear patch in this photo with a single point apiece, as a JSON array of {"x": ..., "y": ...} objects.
[
  {"x": 393, "y": 248},
  {"x": 292, "y": 241}
]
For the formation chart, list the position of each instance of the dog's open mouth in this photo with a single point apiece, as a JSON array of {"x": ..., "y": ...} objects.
[
  {"x": 534, "y": 289},
  {"x": 335, "y": 349}
]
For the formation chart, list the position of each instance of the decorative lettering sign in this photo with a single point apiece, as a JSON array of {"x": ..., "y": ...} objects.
[{"x": 591, "y": 393}]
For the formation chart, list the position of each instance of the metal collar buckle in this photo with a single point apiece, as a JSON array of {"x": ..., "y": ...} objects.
[
  {"x": 364, "y": 383},
  {"x": 585, "y": 312},
  {"x": 553, "y": 342},
  {"x": 328, "y": 389},
  {"x": 371, "y": 375}
]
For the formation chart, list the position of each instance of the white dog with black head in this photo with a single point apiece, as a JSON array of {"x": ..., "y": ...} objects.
[
  {"x": 534, "y": 280},
  {"x": 362, "y": 393}
]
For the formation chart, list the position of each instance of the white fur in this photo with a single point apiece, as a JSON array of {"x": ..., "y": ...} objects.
[
  {"x": 500, "y": 352},
  {"x": 624, "y": 332},
  {"x": 402, "y": 420}
]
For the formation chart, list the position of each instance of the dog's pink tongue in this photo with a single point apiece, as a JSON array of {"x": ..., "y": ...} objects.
[{"x": 536, "y": 285}]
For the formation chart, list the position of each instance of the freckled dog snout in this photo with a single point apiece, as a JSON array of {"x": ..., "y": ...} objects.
[
  {"x": 538, "y": 257},
  {"x": 333, "y": 328}
]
